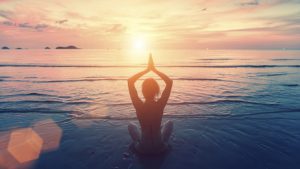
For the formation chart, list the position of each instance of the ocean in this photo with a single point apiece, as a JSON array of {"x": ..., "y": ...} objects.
[{"x": 238, "y": 108}]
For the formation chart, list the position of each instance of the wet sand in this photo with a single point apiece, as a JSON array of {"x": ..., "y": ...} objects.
[{"x": 196, "y": 142}]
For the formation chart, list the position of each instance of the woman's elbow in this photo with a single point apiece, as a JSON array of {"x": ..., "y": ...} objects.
[
  {"x": 130, "y": 81},
  {"x": 170, "y": 82}
]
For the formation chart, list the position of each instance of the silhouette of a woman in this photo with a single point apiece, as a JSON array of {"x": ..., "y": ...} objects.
[{"x": 149, "y": 113}]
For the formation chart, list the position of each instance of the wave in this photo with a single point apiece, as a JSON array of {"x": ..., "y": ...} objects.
[
  {"x": 28, "y": 94},
  {"x": 226, "y": 102},
  {"x": 208, "y": 102},
  {"x": 203, "y": 79},
  {"x": 290, "y": 85},
  {"x": 2, "y": 78},
  {"x": 285, "y": 59},
  {"x": 132, "y": 66},
  {"x": 224, "y": 59},
  {"x": 92, "y": 79},
  {"x": 31, "y": 77},
  {"x": 44, "y": 102},
  {"x": 273, "y": 74},
  {"x": 217, "y": 59},
  {"x": 31, "y": 102},
  {"x": 50, "y": 102},
  {"x": 284, "y": 111},
  {"x": 82, "y": 116},
  {"x": 129, "y": 103},
  {"x": 143, "y": 78},
  {"x": 5, "y": 77},
  {"x": 35, "y": 110},
  {"x": 227, "y": 116},
  {"x": 78, "y": 80},
  {"x": 35, "y": 94},
  {"x": 118, "y": 79}
]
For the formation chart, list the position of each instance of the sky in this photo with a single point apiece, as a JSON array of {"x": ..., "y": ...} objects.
[{"x": 155, "y": 24}]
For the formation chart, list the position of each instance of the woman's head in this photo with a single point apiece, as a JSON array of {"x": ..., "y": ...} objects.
[{"x": 150, "y": 89}]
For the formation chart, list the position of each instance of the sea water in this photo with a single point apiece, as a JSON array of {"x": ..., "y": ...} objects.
[
  {"x": 249, "y": 93},
  {"x": 92, "y": 83}
]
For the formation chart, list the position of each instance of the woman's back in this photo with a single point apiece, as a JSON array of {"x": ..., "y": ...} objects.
[{"x": 150, "y": 117}]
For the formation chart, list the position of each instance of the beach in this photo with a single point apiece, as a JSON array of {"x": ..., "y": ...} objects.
[{"x": 230, "y": 108}]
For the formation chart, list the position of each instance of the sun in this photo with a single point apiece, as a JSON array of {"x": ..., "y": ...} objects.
[
  {"x": 139, "y": 48},
  {"x": 139, "y": 44}
]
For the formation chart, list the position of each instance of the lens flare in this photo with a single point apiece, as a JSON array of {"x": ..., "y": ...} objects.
[{"x": 25, "y": 145}]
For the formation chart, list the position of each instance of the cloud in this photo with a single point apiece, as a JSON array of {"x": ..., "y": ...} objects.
[
  {"x": 8, "y": 23},
  {"x": 5, "y": 14},
  {"x": 61, "y": 21},
  {"x": 116, "y": 28},
  {"x": 2, "y": 1},
  {"x": 25, "y": 25},
  {"x": 167, "y": 23},
  {"x": 40, "y": 27},
  {"x": 250, "y": 3},
  {"x": 37, "y": 27}
]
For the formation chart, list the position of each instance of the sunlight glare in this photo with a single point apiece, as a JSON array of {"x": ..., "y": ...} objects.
[{"x": 139, "y": 44}]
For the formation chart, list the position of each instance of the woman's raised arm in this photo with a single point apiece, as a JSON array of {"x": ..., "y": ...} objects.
[
  {"x": 136, "y": 101},
  {"x": 169, "y": 82},
  {"x": 167, "y": 91}
]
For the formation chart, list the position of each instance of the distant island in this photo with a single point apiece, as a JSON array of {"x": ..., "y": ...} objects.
[
  {"x": 5, "y": 48},
  {"x": 67, "y": 47},
  {"x": 47, "y": 47}
]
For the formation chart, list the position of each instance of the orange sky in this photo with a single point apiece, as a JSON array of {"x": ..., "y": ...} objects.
[{"x": 199, "y": 24}]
